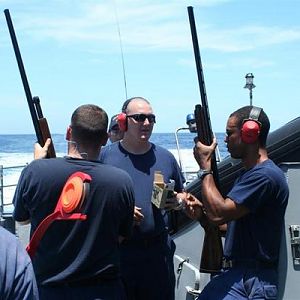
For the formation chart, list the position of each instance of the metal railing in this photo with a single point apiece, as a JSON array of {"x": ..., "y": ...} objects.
[
  {"x": 189, "y": 175},
  {"x": 4, "y": 187}
]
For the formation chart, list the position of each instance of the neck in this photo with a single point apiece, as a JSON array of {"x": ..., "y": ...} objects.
[
  {"x": 252, "y": 159},
  {"x": 83, "y": 152},
  {"x": 135, "y": 147}
]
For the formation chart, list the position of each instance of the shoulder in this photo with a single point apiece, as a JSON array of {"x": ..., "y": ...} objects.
[
  {"x": 270, "y": 171},
  {"x": 162, "y": 151},
  {"x": 109, "y": 149},
  {"x": 44, "y": 162},
  {"x": 263, "y": 182},
  {"x": 114, "y": 171},
  {"x": 42, "y": 167}
]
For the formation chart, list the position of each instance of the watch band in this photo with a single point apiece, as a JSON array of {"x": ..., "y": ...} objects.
[{"x": 203, "y": 173}]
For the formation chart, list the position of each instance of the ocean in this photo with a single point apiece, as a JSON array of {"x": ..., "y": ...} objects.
[{"x": 17, "y": 150}]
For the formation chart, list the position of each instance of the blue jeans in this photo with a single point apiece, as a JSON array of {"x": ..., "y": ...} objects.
[{"x": 242, "y": 283}]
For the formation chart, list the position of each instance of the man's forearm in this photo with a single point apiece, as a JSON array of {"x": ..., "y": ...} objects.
[{"x": 212, "y": 200}]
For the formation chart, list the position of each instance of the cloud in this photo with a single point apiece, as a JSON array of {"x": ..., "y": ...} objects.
[
  {"x": 246, "y": 38},
  {"x": 145, "y": 26}
]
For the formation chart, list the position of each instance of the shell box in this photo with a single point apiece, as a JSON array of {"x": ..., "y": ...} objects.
[{"x": 161, "y": 191}]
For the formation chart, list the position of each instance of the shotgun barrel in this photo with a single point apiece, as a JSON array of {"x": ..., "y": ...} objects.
[
  {"x": 39, "y": 122},
  {"x": 212, "y": 250}
]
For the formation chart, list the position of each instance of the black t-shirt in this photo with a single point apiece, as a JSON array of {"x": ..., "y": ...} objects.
[{"x": 76, "y": 250}]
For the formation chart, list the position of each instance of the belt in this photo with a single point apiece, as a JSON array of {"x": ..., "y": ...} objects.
[
  {"x": 145, "y": 243},
  {"x": 248, "y": 263}
]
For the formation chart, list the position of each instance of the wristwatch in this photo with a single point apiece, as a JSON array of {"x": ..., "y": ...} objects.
[{"x": 202, "y": 173}]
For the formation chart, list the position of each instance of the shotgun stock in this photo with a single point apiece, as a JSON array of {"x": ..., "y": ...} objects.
[
  {"x": 212, "y": 250},
  {"x": 39, "y": 122}
]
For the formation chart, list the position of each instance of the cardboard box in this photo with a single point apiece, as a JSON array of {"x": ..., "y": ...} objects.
[{"x": 161, "y": 191}]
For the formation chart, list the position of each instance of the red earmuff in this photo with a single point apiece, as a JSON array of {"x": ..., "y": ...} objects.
[
  {"x": 122, "y": 121},
  {"x": 251, "y": 127},
  {"x": 122, "y": 117}
]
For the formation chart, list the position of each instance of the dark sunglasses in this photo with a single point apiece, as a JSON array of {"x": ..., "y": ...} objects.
[{"x": 143, "y": 117}]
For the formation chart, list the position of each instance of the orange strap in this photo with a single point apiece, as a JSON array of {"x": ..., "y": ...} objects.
[{"x": 68, "y": 207}]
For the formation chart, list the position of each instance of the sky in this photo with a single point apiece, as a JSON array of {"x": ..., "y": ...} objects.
[{"x": 77, "y": 52}]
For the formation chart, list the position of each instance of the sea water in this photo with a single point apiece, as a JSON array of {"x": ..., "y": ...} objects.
[{"x": 17, "y": 150}]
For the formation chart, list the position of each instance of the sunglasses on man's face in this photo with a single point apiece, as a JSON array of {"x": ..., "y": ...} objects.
[{"x": 143, "y": 117}]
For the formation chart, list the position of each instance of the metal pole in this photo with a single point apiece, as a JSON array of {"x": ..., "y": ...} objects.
[{"x": 251, "y": 96}]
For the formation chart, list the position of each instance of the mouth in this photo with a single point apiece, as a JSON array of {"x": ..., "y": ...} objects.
[{"x": 145, "y": 130}]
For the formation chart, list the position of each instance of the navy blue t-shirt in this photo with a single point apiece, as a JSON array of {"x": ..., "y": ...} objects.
[
  {"x": 141, "y": 169},
  {"x": 17, "y": 280},
  {"x": 75, "y": 250},
  {"x": 264, "y": 191}
]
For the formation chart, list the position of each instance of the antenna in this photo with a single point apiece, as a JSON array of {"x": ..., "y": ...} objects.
[{"x": 121, "y": 48}]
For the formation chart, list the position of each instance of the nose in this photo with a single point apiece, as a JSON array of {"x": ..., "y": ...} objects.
[
  {"x": 146, "y": 122},
  {"x": 226, "y": 139}
]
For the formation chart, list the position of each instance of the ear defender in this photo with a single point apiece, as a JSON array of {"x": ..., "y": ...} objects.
[
  {"x": 251, "y": 126},
  {"x": 122, "y": 121},
  {"x": 122, "y": 117}
]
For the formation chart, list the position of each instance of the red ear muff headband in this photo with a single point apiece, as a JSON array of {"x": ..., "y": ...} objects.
[
  {"x": 251, "y": 126},
  {"x": 122, "y": 121},
  {"x": 67, "y": 208},
  {"x": 122, "y": 118}
]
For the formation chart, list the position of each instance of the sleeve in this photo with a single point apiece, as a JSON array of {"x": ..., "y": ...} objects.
[{"x": 251, "y": 191}]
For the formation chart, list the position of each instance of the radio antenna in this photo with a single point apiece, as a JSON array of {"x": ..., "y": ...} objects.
[{"x": 121, "y": 48}]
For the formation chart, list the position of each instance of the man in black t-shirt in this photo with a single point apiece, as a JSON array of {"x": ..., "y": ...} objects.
[{"x": 78, "y": 259}]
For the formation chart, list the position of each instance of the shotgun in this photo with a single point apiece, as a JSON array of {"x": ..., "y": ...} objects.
[
  {"x": 212, "y": 250},
  {"x": 39, "y": 122}
]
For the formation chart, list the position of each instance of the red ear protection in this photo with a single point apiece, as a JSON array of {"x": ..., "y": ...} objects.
[
  {"x": 122, "y": 121},
  {"x": 251, "y": 126},
  {"x": 122, "y": 118}
]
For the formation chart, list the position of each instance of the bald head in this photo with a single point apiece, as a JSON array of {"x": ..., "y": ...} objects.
[{"x": 127, "y": 104}]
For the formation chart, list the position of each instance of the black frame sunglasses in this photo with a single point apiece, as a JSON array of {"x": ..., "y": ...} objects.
[{"x": 142, "y": 117}]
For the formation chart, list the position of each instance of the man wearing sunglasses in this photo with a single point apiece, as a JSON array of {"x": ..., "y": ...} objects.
[{"x": 147, "y": 258}]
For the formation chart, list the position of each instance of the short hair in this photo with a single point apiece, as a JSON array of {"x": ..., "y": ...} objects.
[
  {"x": 126, "y": 103},
  {"x": 243, "y": 114},
  {"x": 89, "y": 124}
]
